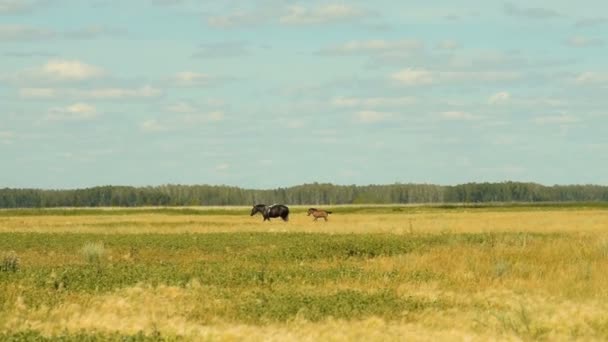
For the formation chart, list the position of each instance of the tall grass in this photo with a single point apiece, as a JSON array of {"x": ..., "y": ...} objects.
[
  {"x": 434, "y": 276},
  {"x": 93, "y": 252},
  {"x": 10, "y": 262}
]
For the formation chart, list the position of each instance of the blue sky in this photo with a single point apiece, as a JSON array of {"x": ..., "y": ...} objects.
[{"x": 264, "y": 94}]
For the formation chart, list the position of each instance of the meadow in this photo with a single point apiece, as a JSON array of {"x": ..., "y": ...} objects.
[{"x": 513, "y": 272}]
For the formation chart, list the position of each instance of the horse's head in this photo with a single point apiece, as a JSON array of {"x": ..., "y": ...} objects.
[
  {"x": 258, "y": 208},
  {"x": 311, "y": 210}
]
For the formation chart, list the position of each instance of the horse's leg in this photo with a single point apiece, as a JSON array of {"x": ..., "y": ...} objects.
[{"x": 325, "y": 217}]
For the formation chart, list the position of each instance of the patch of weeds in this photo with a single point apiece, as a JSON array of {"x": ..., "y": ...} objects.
[
  {"x": 520, "y": 323},
  {"x": 347, "y": 304},
  {"x": 603, "y": 248},
  {"x": 93, "y": 252},
  {"x": 501, "y": 268},
  {"x": 585, "y": 271},
  {"x": 600, "y": 327},
  {"x": 32, "y": 335},
  {"x": 10, "y": 262},
  {"x": 423, "y": 276},
  {"x": 58, "y": 282}
]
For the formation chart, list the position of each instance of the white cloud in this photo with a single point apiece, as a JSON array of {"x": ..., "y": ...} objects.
[
  {"x": 121, "y": 93},
  {"x": 70, "y": 70},
  {"x": 6, "y": 137},
  {"x": 294, "y": 123},
  {"x": 92, "y": 32},
  {"x": 300, "y": 15},
  {"x": 448, "y": 45},
  {"x": 28, "y": 54},
  {"x": 191, "y": 79},
  {"x": 484, "y": 76},
  {"x": 457, "y": 116},
  {"x": 592, "y": 78},
  {"x": 530, "y": 12},
  {"x": 153, "y": 125},
  {"x": 291, "y": 15},
  {"x": 372, "y": 116},
  {"x": 94, "y": 94},
  {"x": 238, "y": 19},
  {"x": 373, "y": 46},
  {"x": 325, "y": 132},
  {"x": 215, "y": 102},
  {"x": 167, "y": 2},
  {"x": 200, "y": 118},
  {"x": 181, "y": 107},
  {"x": 599, "y": 147},
  {"x": 413, "y": 76},
  {"x": 222, "y": 50},
  {"x": 74, "y": 112},
  {"x": 24, "y": 33},
  {"x": 581, "y": 41},
  {"x": 500, "y": 97},
  {"x": 591, "y": 22},
  {"x": 372, "y": 102},
  {"x": 504, "y": 139},
  {"x": 14, "y": 6},
  {"x": 55, "y": 71},
  {"x": 556, "y": 119},
  {"x": 6, "y": 134},
  {"x": 37, "y": 93},
  {"x": 186, "y": 116},
  {"x": 543, "y": 101},
  {"x": 190, "y": 76},
  {"x": 222, "y": 167},
  {"x": 216, "y": 116},
  {"x": 194, "y": 115}
]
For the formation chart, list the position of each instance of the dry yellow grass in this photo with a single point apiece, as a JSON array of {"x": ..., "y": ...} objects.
[
  {"x": 541, "y": 221},
  {"x": 524, "y": 288},
  {"x": 479, "y": 316}
]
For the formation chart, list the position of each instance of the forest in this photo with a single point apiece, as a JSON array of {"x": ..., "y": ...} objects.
[{"x": 315, "y": 193}]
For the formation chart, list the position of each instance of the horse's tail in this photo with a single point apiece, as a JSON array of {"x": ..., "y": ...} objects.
[{"x": 327, "y": 211}]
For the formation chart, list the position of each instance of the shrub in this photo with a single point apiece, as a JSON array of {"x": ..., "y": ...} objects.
[
  {"x": 10, "y": 262},
  {"x": 93, "y": 252}
]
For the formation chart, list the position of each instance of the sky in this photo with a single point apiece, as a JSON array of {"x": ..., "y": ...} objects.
[{"x": 273, "y": 93}]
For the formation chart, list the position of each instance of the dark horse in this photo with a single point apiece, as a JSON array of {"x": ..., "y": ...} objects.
[
  {"x": 316, "y": 213},
  {"x": 268, "y": 211}
]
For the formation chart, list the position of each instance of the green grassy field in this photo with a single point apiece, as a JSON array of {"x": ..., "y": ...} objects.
[{"x": 373, "y": 273}]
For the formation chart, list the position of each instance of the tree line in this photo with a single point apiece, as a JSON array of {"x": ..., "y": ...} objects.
[{"x": 316, "y": 193}]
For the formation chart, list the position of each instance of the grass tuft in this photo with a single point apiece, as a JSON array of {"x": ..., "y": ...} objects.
[
  {"x": 93, "y": 252},
  {"x": 10, "y": 262}
]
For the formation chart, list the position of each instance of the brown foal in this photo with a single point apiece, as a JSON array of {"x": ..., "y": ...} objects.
[{"x": 316, "y": 213}]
